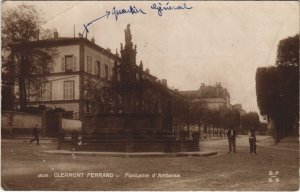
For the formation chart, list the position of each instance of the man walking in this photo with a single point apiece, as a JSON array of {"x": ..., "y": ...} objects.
[
  {"x": 231, "y": 134},
  {"x": 35, "y": 133}
]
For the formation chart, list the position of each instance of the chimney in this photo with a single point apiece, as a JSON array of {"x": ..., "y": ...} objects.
[
  {"x": 55, "y": 34},
  {"x": 93, "y": 40},
  {"x": 164, "y": 82},
  {"x": 109, "y": 50}
]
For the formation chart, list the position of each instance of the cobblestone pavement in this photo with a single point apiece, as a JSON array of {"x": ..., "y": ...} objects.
[{"x": 25, "y": 167}]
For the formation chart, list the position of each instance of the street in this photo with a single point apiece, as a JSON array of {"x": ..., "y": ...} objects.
[{"x": 25, "y": 167}]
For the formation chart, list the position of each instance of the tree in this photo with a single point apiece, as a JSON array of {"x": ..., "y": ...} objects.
[
  {"x": 263, "y": 127},
  {"x": 230, "y": 117},
  {"x": 266, "y": 91},
  {"x": 216, "y": 118},
  {"x": 250, "y": 120},
  {"x": 277, "y": 88},
  {"x": 288, "y": 51},
  {"x": 22, "y": 62},
  {"x": 100, "y": 97}
]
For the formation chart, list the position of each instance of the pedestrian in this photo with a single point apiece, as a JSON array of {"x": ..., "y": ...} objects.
[
  {"x": 74, "y": 138},
  {"x": 182, "y": 134},
  {"x": 231, "y": 134},
  {"x": 252, "y": 141},
  {"x": 35, "y": 133},
  {"x": 195, "y": 136}
]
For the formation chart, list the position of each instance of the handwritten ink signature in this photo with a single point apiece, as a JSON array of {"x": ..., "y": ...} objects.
[
  {"x": 116, "y": 12},
  {"x": 133, "y": 10},
  {"x": 160, "y": 8}
]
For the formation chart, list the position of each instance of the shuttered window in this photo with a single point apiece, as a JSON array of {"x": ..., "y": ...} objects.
[
  {"x": 68, "y": 63},
  {"x": 106, "y": 72},
  {"x": 89, "y": 65},
  {"x": 46, "y": 91},
  {"x": 68, "y": 90},
  {"x": 97, "y": 69}
]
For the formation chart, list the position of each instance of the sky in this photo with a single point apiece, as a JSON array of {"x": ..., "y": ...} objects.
[{"x": 214, "y": 41}]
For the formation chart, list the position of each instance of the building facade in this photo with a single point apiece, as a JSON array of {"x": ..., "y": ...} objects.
[
  {"x": 209, "y": 97},
  {"x": 77, "y": 59},
  {"x": 240, "y": 109}
]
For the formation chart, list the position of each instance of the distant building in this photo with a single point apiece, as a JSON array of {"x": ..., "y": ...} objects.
[
  {"x": 239, "y": 108},
  {"x": 210, "y": 97}
]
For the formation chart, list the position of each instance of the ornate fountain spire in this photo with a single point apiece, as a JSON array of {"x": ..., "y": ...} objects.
[
  {"x": 141, "y": 65},
  {"x": 128, "y": 53},
  {"x": 128, "y": 36}
]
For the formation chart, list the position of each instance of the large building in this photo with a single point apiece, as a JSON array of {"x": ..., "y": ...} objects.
[
  {"x": 210, "y": 97},
  {"x": 77, "y": 59},
  {"x": 77, "y": 62}
]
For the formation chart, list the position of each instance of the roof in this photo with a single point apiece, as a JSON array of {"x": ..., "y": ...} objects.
[
  {"x": 189, "y": 93},
  {"x": 60, "y": 41}
]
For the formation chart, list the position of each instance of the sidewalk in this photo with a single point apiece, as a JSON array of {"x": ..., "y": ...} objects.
[
  {"x": 212, "y": 138},
  {"x": 45, "y": 140},
  {"x": 49, "y": 140},
  {"x": 288, "y": 143},
  {"x": 27, "y": 139},
  {"x": 133, "y": 154}
]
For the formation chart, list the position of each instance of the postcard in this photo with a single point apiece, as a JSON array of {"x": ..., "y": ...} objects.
[{"x": 150, "y": 95}]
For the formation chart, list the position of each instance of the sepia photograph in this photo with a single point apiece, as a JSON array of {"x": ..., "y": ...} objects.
[{"x": 150, "y": 95}]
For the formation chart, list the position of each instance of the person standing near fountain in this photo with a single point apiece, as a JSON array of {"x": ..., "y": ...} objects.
[
  {"x": 231, "y": 134},
  {"x": 252, "y": 141}
]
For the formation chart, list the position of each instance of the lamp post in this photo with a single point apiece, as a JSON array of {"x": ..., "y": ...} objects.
[
  {"x": 188, "y": 120},
  {"x": 281, "y": 117}
]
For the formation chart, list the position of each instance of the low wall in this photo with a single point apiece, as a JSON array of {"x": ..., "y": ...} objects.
[
  {"x": 70, "y": 125},
  {"x": 12, "y": 119},
  {"x": 19, "y": 123}
]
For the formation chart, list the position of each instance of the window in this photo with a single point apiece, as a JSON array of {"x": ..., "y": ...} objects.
[
  {"x": 89, "y": 64},
  {"x": 51, "y": 66},
  {"x": 68, "y": 63},
  {"x": 98, "y": 69},
  {"x": 106, "y": 72},
  {"x": 34, "y": 92},
  {"x": 47, "y": 68},
  {"x": 68, "y": 90},
  {"x": 46, "y": 91}
]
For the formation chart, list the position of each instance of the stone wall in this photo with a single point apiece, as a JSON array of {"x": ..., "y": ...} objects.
[{"x": 19, "y": 123}]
